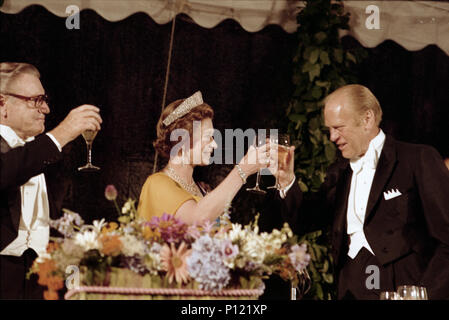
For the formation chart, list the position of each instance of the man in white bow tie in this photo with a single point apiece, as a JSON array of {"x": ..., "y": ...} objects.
[
  {"x": 29, "y": 194},
  {"x": 387, "y": 201}
]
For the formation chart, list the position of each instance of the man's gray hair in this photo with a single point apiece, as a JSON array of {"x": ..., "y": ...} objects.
[
  {"x": 360, "y": 98},
  {"x": 9, "y": 71}
]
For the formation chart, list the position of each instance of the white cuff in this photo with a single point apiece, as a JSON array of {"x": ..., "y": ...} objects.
[
  {"x": 283, "y": 192},
  {"x": 55, "y": 141}
]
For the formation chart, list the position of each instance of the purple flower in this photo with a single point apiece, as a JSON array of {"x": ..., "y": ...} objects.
[
  {"x": 207, "y": 226},
  {"x": 299, "y": 257},
  {"x": 171, "y": 229},
  {"x": 110, "y": 192},
  {"x": 229, "y": 250},
  {"x": 193, "y": 232},
  {"x": 205, "y": 264}
]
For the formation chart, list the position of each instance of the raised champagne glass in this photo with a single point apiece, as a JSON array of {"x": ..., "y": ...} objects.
[
  {"x": 89, "y": 136},
  {"x": 282, "y": 142},
  {"x": 259, "y": 141}
]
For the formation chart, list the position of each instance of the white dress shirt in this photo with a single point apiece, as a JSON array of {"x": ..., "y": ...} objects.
[
  {"x": 283, "y": 192},
  {"x": 363, "y": 169},
  {"x": 34, "y": 229}
]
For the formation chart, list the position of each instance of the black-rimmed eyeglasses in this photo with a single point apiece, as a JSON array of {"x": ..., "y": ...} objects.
[{"x": 36, "y": 100}]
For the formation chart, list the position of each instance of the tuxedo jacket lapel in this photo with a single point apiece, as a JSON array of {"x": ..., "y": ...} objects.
[
  {"x": 341, "y": 205},
  {"x": 342, "y": 195},
  {"x": 387, "y": 162},
  {"x": 14, "y": 201}
]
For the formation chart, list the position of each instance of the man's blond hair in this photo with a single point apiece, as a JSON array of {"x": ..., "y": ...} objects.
[
  {"x": 360, "y": 98},
  {"x": 9, "y": 71}
]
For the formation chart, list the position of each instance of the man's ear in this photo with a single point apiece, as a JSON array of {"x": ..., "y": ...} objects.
[{"x": 369, "y": 119}]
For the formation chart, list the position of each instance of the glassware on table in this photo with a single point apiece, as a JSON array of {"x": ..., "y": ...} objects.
[
  {"x": 423, "y": 293},
  {"x": 89, "y": 136},
  {"x": 282, "y": 141},
  {"x": 409, "y": 292},
  {"x": 304, "y": 285},
  {"x": 259, "y": 141},
  {"x": 390, "y": 295}
]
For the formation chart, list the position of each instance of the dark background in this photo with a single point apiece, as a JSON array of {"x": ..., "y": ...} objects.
[{"x": 246, "y": 77}]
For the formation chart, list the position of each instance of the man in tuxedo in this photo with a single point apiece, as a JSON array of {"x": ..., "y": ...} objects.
[
  {"x": 387, "y": 201},
  {"x": 27, "y": 191}
]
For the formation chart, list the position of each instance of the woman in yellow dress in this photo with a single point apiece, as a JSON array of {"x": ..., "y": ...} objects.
[{"x": 173, "y": 189}]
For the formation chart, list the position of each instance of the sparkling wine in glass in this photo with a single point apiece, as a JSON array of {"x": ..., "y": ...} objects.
[
  {"x": 259, "y": 141},
  {"x": 282, "y": 141},
  {"x": 89, "y": 136}
]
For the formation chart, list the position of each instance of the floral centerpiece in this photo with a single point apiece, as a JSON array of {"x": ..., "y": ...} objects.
[{"x": 166, "y": 253}]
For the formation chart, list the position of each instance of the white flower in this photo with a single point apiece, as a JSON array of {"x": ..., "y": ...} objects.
[
  {"x": 98, "y": 225},
  {"x": 88, "y": 240},
  {"x": 132, "y": 246},
  {"x": 128, "y": 206},
  {"x": 254, "y": 249},
  {"x": 236, "y": 233}
]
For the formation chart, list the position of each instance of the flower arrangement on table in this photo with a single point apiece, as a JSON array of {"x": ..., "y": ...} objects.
[{"x": 166, "y": 253}]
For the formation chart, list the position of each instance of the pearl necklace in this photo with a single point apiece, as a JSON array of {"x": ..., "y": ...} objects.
[{"x": 191, "y": 188}]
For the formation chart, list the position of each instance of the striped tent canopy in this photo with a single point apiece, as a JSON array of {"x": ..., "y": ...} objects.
[{"x": 412, "y": 24}]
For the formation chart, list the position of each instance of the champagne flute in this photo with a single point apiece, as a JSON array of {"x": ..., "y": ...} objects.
[
  {"x": 282, "y": 141},
  {"x": 408, "y": 292},
  {"x": 256, "y": 189},
  {"x": 390, "y": 295},
  {"x": 423, "y": 293},
  {"x": 89, "y": 136}
]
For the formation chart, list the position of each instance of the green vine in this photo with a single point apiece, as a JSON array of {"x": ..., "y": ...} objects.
[{"x": 321, "y": 65}]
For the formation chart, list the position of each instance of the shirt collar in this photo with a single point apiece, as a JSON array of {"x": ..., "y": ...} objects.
[
  {"x": 11, "y": 137},
  {"x": 371, "y": 157}
]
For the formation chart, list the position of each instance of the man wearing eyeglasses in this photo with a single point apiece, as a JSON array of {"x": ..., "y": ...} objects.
[{"x": 26, "y": 189}]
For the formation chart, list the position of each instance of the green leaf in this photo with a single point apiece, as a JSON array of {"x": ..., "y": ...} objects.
[
  {"x": 320, "y": 37},
  {"x": 338, "y": 55},
  {"x": 314, "y": 56},
  {"x": 319, "y": 291},
  {"x": 324, "y": 57},
  {"x": 303, "y": 186},
  {"x": 317, "y": 92},
  {"x": 314, "y": 72},
  {"x": 329, "y": 151},
  {"x": 350, "y": 57},
  {"x": 329, "y": 278},
  {"x": 307, "y": 67}
]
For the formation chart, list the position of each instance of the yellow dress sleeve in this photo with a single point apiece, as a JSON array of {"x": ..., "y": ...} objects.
[{"x": 161, "y": 194}]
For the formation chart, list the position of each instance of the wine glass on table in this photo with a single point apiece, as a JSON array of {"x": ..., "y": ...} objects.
[
  {"x": 89, "y": 136},
  {"x": 389, "y": 295},
  {"x": 282, "y": 143},
  {"x": 409, "y": 292},
  {"x": 259, "y": 141}
]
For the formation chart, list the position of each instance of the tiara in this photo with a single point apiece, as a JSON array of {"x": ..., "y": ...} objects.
[{"x": 188, "y": 104}]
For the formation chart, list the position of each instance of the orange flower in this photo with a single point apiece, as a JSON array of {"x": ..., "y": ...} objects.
[
  {"x": 46, "y": 266},
  {"x": 111, "y": 226},
  {"x": 149, "y": 234},
  {"x": 55, "y": 283},
  {"x": 50, "y": 295},
  {"x": 52, "y": 246},
  {"x": 174, "y": 262},
  {"x": 111, "y": 244}
]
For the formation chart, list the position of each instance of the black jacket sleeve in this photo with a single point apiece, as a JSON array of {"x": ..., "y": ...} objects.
[{"x": 20, "y": 164}]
